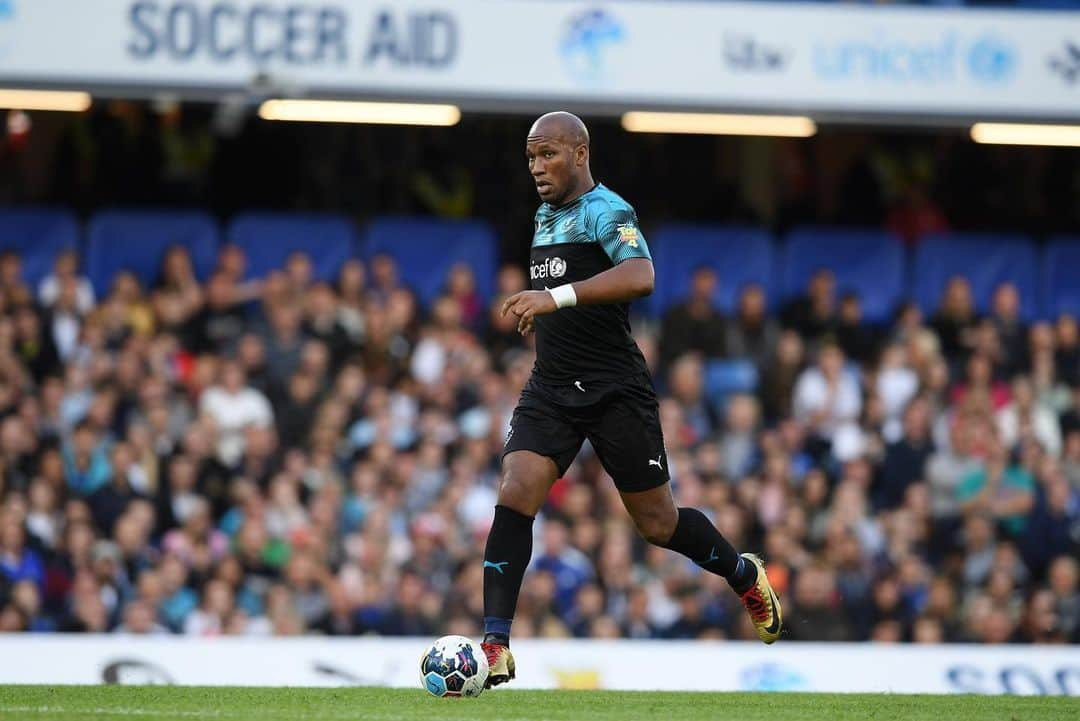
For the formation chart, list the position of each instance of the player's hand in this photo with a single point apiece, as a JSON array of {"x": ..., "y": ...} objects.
[{"x": 528, "y": 304}]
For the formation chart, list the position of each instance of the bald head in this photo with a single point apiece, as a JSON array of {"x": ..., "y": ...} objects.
[
  {"x": 560, "y": 125},
  {"x": 558, "y": 153}
]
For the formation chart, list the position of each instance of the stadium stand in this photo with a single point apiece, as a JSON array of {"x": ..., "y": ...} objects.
[
  {"x": 986, "y": 260},
  {"x": 37, "y": 235},
  {"x": 740, "y": 255},
  {"x": 426, "y": 248},
  {"x": 281, "y": 456},
  {"x": 138, "y": 241},
  {"x": 868, "y": 263},
  {"x": 1061, "y": 259},
  {"x": 268, "y": 239}
]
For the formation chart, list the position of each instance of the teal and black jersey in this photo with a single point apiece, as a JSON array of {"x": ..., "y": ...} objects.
[{"x": 574, "y": 242}]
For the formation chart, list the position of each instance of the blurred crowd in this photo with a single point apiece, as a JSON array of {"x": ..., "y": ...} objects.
[{"x": 290, "y": 456}]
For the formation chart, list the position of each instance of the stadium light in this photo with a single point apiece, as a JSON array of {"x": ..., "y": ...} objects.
[
  {"x": 785, "y": 126},
  {"x": 60, "y": 100},
  {"x": 1026, "y": 134},
  {"x": 345, "y": 111}
]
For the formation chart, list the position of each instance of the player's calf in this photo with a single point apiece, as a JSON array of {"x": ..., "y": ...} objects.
[{"x": 698, "y": 539}]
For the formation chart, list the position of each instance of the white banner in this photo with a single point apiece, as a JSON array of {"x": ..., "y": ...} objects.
[
  {"x": 798, "y": 57},
  {"x": 646, "y": 665}
]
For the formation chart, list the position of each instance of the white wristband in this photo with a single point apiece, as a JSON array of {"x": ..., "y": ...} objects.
[{"x": 564, "y": 296}]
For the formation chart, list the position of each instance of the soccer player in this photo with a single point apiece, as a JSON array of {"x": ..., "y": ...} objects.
[{"x": 589, "y": 260}]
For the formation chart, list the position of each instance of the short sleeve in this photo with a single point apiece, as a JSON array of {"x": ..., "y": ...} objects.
[
  {"x": 970, "y": 485},
  {"x": 618, "y": 233},
  {"x": 1021, "y": 480}
]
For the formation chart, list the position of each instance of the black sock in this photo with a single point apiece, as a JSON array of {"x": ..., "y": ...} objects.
[
  {"x": 509, "y": 548},
  {"x": 697, "y": 538}
]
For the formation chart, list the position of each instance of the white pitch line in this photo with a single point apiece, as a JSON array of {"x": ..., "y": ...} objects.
[
  {"x": 106, "y": 711},
  {"x": 153, "y": 713}
]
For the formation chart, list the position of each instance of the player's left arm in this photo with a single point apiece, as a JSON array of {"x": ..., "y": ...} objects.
[{"x": 631, "y": 276}]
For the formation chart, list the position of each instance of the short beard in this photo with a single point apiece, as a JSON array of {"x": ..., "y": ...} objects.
[{"x": 571, "y": 187}]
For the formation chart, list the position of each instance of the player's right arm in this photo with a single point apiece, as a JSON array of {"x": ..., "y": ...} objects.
[
  {"x": 614, "y": 227},
  {"x": 630, "y": 279}
]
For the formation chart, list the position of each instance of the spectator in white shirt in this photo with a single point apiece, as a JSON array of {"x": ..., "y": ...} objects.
[
  {"x": 66, "y": 269},
  {"x": 896, "y": 385},
  {"x": 209, "y": 618},
  {"x": 233, "y": 406},
  {"x": 65, "y": 320},
  {"x": 139, "y": 620},
  {"x": 827, "y": 397},
  {"x": 1025, "y": 416}
]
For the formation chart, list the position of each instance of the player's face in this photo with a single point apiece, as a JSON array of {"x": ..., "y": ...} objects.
[{"x": 551, "y": 163}]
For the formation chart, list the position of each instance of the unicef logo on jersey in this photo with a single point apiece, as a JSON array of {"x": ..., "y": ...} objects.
[
  {"x": 550, "y": 268},
  {"x": 587, "y": 43}
]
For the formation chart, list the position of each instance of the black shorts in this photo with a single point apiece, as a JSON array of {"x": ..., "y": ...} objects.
[{"x": 622, "y": 424}]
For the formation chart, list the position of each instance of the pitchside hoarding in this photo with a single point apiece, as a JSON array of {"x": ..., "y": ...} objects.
[
  {"x": 660, "y": 665},
  {"x": 773, "y": 56}
]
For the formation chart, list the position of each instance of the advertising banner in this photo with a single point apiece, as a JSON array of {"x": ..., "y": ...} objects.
[
  {"x": 607, "y": 56},
  {"x": 630, "y": 665}
]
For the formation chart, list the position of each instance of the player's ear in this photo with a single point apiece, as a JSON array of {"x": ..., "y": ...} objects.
[{"x": 581, "y": 155}]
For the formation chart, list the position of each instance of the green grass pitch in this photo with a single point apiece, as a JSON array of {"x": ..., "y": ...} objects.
[{"x": 129, "y": 703}]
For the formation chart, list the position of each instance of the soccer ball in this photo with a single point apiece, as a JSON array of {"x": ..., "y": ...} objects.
[{"x": 453, "y": 666}]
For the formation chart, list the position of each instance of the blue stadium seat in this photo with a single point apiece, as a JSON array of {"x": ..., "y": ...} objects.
[
  {"x": 37, "y": 235},
  {"x": 986, "y": 260},
  {"x": 426, "y": 248},
  {"x": 869, "y": 263},
  {"x": 1060, "y": 279},
  {"x": 740, "y": 255},
  {"x": 137, "y": 240},
  {"x": 268, "y": 239},
  {"x": 724, "y": 377}
]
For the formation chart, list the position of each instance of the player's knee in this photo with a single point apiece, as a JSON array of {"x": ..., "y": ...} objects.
[
  {"x": 513, "y": 493},
  {"x": 656, "y": 526},
  {"x": 521, "y": 489}
]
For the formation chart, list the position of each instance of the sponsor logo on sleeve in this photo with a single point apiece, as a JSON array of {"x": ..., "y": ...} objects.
[{"x": 628, "y": 233}]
